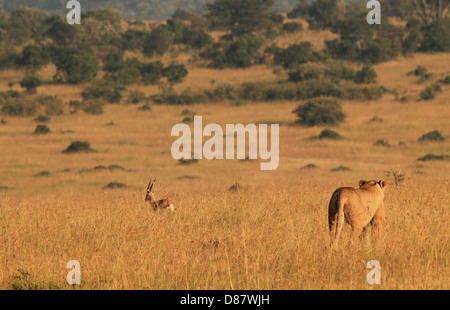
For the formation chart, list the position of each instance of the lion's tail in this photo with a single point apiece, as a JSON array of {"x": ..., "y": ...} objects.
[{"x": 339, "y": 220}]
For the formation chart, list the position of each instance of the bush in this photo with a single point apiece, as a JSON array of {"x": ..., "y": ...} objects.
[
  {"x": 20, "y": 107},
  {"x": 175, "y": 73},
  {"x": 435, "y": 36},
  {"x": 171, "y": 97},
  {"x": 79, "y": 68},
  {"x": 158, "y": 41},
  {"x": 292, "y": 27},
  {"x": 307, "y": 71},
  {"x": 104, "y": 89},
  {"x": 30, "y": 82},
  {"x": 41, "y": 130},
  {"x": 340, "y": 168},
  {"x": 420, "y": 70},
  {"x": 79, "y": 147},
  {"x": 240, "y": 53},
  {"x": 151, "y": 72},
  {"x": 430, "y": 157},
  {"x": 53, "y": 105},
  {"x": 94, "y": 107},
  {"x": 329, "y": 134},
  {"x": 34, "y": 57},
  {"x": 430, "y": 92},
  {"x": 44, "y": 173},
  {"x": 113, "y": 185},
  {"x": 295, "y": 54},
  {"x": 319, "y": 112},
  {"x": 366, "y": 75},
  {"x": 135, "y": 96},
  {"x": 432, "y": 136},
  {"x": 42, "y": 118},
  {"x": 381, "y": 142}
]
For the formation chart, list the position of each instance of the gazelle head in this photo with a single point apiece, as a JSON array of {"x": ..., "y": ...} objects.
[{"x": 150, "y": 196}]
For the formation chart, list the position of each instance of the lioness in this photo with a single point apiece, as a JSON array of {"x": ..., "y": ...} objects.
[{"x": 358, "y": 207}]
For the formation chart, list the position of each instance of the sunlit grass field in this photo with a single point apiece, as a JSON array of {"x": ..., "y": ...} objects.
[{"x": 270, "y": 233}]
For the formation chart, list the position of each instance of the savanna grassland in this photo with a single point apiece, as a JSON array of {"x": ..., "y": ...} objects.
[{"x": 234, "y": 226}]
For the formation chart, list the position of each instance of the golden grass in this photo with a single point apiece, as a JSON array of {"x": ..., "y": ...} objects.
[
  {"x": 272, "y": 234},
  {"x": 269, "y": 238}
]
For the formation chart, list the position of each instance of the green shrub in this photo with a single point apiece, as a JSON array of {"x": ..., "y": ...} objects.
[
  {"x": 53, "y": 105},
  {"x": 171, "y": 97},
  {"x": 151, "y": 72},
  {"x": 41, "y": 130},
  {"x": 420, "y": 70},
  {"x": 135, "y": 96},
  {"x": 113, "y": 185},
  {"x": 94, "y": 107},
  {"x": 145, "y": 107},
  {"x": 295, "y": 54},
  {"x": 79, "y": 147},
  {"x": 430, "y": 92},
  {"x": 183, "y": 161},
  {"x": 292, "y": 27},
  {"x": 78, "y": 67},
  {"x": 446, "y": 80},
  {"x": 175, "y": 73},
  {"x": 158, "y": 41},
  {"x": 104, "y": 89},
  {"x": 340, "y": 168},
  {"x": 329, "y": 134},
  {"x": 42, "y": 118},
  {"x": 430, "y": 157},
  {"x": 320, "y": 112},
  {"x": 30, "y": 82},
  {"x": 20, "y": 107},
  {"x": 435, "y": 36},
  {"x": 381, "y": 142},
  {"x": 432, "y": 136},
  {"x": 44, "y": 173},
  {"x": 366, "y": 75},
  {"x": 241, "y": 52}
]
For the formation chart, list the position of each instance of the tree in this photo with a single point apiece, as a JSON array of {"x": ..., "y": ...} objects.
[
  {"x": 34, "y": 57},
  {"x": 239, "y": 17},
  {"x": 30, "y": 82},
  {"x": 175, "y": 73},
  {"x": 152, "y": 72},
  {"x": 436, "y": 36},
  {"x": 78, "y": 67},
  {"x": 320, "y": 112},
  {"x": 431, "y": 10},
  {"x": 158, "y": 42}
]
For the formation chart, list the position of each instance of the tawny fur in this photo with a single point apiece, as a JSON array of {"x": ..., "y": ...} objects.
[
  {"x": 358, "y": 207},
  {"x": 159, "y": 204}
]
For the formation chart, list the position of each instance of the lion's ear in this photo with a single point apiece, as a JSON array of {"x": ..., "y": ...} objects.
[
  {"x": 383, "y": 183},
  {"x": 362, "y": 182}
]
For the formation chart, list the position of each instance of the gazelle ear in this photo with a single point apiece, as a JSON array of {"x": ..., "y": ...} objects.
[{"x": 362, "y": 182}]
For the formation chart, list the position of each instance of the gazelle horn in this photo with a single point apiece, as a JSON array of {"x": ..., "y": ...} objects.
[
  {"x": 148, "y": 186},
  {"x": 153, "y": 183}
]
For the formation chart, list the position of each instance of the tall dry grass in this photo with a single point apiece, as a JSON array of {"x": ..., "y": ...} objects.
[{"x": 270, "y": 238}]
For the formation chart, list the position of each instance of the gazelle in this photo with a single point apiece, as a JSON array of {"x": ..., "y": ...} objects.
[{"x": 157, "y": 204}]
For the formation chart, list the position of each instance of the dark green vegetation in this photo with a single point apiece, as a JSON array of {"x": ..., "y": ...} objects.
[
  {"x": 432, "y": 136},
  {"x": 79, "y": 147},
  {"x": 95, "y": 53}
]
